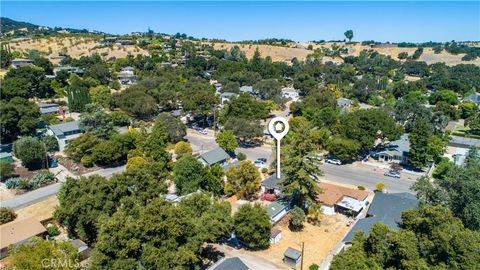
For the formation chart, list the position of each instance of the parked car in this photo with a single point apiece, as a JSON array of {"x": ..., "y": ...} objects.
[
  {"x": 333, "y": 161},
  {"x": 203, "y": 131},
  {"x": 259, "y": 162},
  {"x": 264, "y": 160},
  {"x": 392, "y": 173}
]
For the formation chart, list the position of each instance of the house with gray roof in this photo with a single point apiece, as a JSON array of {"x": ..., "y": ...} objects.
[
  {"x": 396, "y": 151},
  {"x": 215, "y": 156},
  {"x": 227, "y": 96},
  {"x": 344, "y": 102},
  {"x": 277, "y": 210},
  {"x": 473, "y": 98},
  {"x": 48, "y": 108},
  {"x": 247, "y": 89},
  {"x": 386, "y": 208},
  {"x": 229, "y": 264},
  {"x": 65, "y": 132},
  {"x": 271, "y": 185}
]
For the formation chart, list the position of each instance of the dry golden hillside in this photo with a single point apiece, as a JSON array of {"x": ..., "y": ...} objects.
[
  {"x": 73, "y": 46},
  {"x": 300, "y": 51}
]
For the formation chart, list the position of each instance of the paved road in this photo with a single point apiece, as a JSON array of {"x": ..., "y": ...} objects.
[
  {"x": 32, "y": 196},
  {"x": 203, "y": 143},
  {"x": 43, "y": 193},
  {"x": 354, "y": 175}
]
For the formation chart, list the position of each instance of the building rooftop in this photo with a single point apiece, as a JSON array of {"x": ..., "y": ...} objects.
[
  {"x": 60, "y": 129},
  {"x": 229, "y": 264},
  {"x": 17, "y": 231},
  {"x": 276, "y": 207},
  {"x": 292, "y": 253},
  {"x": 272, "y": 182},
  {"x": 333, "y": 194},
  {"x": 246, "y": 89},
  {"x": 214, "y": 156},
  {"x": 398, "y": 147},
  {"x": 386, "y": 208},
  {"x": 464, "y": 142},
  {"x": 474, "y": 98},
  {"x": 342, "y": 102}
]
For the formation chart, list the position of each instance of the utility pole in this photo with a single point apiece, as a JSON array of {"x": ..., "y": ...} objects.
[{"x": 301, "y": 263}]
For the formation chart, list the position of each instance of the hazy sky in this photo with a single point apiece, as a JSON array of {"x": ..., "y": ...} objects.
[{"x": 300, "y": 21}]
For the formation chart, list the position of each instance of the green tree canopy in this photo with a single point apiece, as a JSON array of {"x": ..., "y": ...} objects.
[
  {"x": 227, "y": 141},
  {"x": 252, "y": 225},
  {"x": 243, "y": 180},
  {"x": 31, "y": 151}
]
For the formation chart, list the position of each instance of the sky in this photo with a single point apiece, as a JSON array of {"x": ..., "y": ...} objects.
[{"x": 234, "y": 21}]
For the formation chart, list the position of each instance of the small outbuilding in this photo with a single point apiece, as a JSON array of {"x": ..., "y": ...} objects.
[
  {"x": 292, "y": 257},
  {"x": 275, "y": 235}
]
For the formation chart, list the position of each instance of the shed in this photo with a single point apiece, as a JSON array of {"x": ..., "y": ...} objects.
[
  {"x": 292, "y": 257},
  {"x": 275, "y": 235}
]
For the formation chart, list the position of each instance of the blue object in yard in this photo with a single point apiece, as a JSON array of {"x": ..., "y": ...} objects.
[
  {"x": 52, "y": 163},
  {"x": 6, "y": 157}
]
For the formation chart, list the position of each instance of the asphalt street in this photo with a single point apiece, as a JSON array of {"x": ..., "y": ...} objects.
[{"x": 354, "y": 175}]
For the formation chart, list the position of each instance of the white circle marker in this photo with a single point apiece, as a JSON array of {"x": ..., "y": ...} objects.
[{"x": 278, "y": 128}]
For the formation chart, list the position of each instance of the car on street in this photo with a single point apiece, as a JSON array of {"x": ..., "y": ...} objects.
[
  {"x": 392, "y": 173},
  {"x": 203, "y": 131},
  {"x": 333, "y": 161},
  {"x": 260, "y": 162}
]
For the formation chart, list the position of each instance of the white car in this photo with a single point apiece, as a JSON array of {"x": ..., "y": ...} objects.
[
  {"x": 203, "y": 131},
  {"x": 333, "y": 161}
]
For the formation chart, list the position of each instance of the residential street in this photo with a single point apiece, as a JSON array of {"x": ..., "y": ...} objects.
[
  {"x": 50, "y": 190},
  {"x": 352, "y": 174}
]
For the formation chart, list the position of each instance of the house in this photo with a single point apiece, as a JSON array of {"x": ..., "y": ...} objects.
[
  {"x": 290, "y": 93},
  {"x": 459, "y": 148},
  {"x": 270, "y": 187},
  {"x": 83, "y": 250},
  {"x": 338, "y": 199},
  {"x": 247, "y": 89},
  {"x": 48, "y": 108},
  {"x": 65, "y": 132},
  {"x": 275, "y": 235},
  {"x": 396, "y": 151},
  {"x": 18, "y": 232},
  {"x": 227, "y": 96},
  {"x": 292, "y": 257},
  {"x": 344, "y": 102},
  {"x": 473, "y": 98},
  {"x": 127, "y": 76},
  {"x": 277, "y": 210},
  {"x": 215, "y": 156},
  {"x": 233, "y": 263},
  {"x": 19, "y": 62},
  {"x": 125, "y": 42},
  {"x": 68, "y": 69},
  {"x": 386, "y": 208}
]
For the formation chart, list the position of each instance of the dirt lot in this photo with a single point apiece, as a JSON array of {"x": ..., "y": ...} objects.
[
  {"x": 318, "y": 240},
  {"x": 41, "y": 211}
]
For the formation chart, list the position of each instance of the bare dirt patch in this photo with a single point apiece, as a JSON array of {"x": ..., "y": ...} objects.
[
  {"x": 318, "y": 241},
  {"x": 42, "y": 211}
]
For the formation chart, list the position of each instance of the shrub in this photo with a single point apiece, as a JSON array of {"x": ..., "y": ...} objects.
[
  {"x": 53, "y": 230},
  {"x": 12, "y": 182},
  {"x": 380, "y": 186},
  {"x": 264, "y": 170},
  {"x": 361, "y": 188},
  {"x": 297, "y": 218},
  {"x": 6, "y": 215},
  {"x": 87, "y": 161},
  {"x": 41, "y": 180},
  {"x": 183, "y": 148},
  {"x": 30, "y": 151},
  {"x": 314, "y": 267},
  {"x": 51, "y": 143},
  {"x": 6, "y": 168},
  {"x": 241, "y": 156},
  {"x": 23, "y": 184}
]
